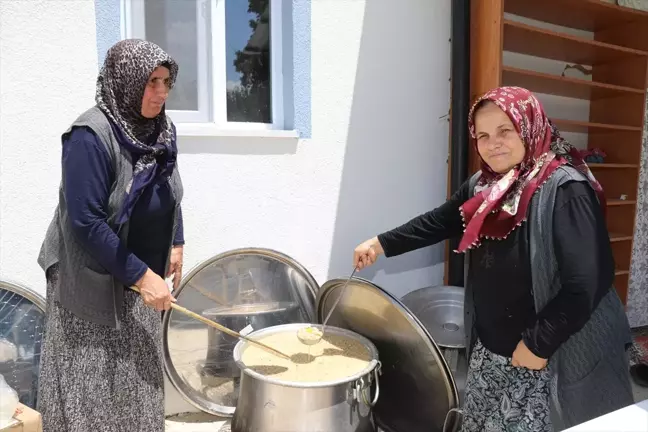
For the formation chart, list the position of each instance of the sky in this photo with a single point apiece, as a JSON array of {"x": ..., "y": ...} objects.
[{"x": 237, "y": 32}]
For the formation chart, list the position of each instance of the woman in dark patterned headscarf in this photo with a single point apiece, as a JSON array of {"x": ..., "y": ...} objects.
[
  {"x": 545, "y": 330},
  {"x": 118, "y": 224}
]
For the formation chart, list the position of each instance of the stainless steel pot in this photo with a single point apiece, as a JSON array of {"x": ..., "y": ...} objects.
[
  {"x": 267, "y": 404},
  {"x": 441, "y": 311}
]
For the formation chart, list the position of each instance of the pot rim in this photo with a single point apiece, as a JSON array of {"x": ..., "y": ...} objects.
[
  {"x": 23, "y": 290},
  {"x": 373, "y": 351},
  {"x": 239, "y": 309}
]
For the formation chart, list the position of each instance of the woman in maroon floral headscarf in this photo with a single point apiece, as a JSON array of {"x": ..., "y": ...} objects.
[{"x": 546, "y": 332}]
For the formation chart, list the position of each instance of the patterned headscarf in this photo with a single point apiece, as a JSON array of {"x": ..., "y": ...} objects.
[
  {"x": 501, "y": 200},
  {"x": 120, "y": 89}
]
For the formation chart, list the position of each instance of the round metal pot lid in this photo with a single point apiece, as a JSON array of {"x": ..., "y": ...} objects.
[
  {"x": 441, "y": 310},
  {"x": 22, "y": 321},
  {"x": 245, "y": 290},
  {"x": 416, "y": 386}
]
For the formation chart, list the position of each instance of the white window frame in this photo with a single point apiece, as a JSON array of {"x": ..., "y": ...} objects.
[{"x": 212, "y": 96}]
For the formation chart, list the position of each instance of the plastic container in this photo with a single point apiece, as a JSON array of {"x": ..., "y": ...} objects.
[
  {"x": 8, "y": 351},
  {"x": 8, "y": 403}
]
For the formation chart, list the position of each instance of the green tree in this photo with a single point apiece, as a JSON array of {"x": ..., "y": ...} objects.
[{"x": 252, "y": 102}]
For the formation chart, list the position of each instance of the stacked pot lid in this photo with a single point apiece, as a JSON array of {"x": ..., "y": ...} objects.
[
  {"x": 417, "y": 389},
  {"x": 245, "y": 290},
  {"x": 22, "y": 321}
]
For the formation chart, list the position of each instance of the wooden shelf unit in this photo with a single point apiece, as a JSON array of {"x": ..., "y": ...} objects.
[
  {"x": 618, "y": 57},
  {"x": 587, "y": 127},
  {"x": 596, "y": 166},
  {"x": 527, "y": 39},
  {"x": 568, "y": 87}
]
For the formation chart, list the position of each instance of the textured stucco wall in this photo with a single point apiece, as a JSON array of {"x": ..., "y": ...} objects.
[
  {"x": 108, "y": 20},
  {"x": 48, "y": 67},
  {"x": 297, "y": 49}
]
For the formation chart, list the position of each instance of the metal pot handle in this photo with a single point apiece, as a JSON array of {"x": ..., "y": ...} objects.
[
  {"x": 361, "y": 389},
  {"x": 459, "y": 412}
]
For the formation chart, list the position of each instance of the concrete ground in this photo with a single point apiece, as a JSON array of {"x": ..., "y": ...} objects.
[
  {"x": 640, "y": 393},
  {"x": 195, "y": 422},
  {"x": 201, "y": 422}
]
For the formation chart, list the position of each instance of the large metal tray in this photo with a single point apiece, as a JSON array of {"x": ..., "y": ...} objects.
[
  {"x": 22, "y": 321},
  {"x": 417, "y": 388},
  {"x": 243, "y": 289}
]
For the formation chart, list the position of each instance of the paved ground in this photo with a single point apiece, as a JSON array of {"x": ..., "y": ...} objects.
[
  {"x": 196, "y": 423},
  {"x": 183, "y": 348},
  {"x": 205, "y": 423},
  {"x": 640, "y": 393}
]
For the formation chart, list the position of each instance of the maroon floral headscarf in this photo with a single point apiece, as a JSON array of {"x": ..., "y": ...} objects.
[{"x": 501, "y": 200}]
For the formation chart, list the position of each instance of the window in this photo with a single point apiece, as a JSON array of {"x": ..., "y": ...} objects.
[{"x": 229, "y": 53}]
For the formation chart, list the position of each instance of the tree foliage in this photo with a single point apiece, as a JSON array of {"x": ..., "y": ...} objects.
[{"x": 251, "y": 101}]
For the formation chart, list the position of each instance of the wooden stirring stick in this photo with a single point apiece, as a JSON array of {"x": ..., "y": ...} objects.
[
  {"x": 208, "y": 295},
  {"x": 220, "y": 327}
]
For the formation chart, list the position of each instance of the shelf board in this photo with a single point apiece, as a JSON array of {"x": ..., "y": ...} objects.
[
  {"x": 538, "y": 42},
  {"x": 612, "y": 165},
  {"x": 563, "y": 86},
  {"x": 621, "y": 272},
  {"x": 587, "y": 127},
  {"x": 617, "y": 237},
  {"x": 619, "y": 202},
  {"x": 588, "y": 15}
]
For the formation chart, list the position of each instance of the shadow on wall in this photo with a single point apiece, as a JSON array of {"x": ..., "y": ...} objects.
[
  {"x": 395, "y": 166},
  {"x": 239, "y": 145}
]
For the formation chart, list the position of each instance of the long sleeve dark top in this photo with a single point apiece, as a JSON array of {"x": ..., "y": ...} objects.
[
  {"x": 500, "y": 271},
  {"x": 89, "y": 177}
]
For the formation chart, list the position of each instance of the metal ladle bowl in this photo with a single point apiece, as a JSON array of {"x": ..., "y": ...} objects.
[{"x": 310, "y": 335}]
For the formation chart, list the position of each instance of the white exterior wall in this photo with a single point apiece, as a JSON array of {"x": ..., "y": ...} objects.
[
  {"x": 377, "y": 155},
  {"x": 48, "y": 67}
]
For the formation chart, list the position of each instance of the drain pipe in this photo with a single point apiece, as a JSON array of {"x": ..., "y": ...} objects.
[{"x": 459, "y": 119}]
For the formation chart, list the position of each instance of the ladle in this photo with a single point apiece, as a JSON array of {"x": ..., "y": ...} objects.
[
  {"x": 220, "y": 327},
  {"x": 311, "y": 335}
]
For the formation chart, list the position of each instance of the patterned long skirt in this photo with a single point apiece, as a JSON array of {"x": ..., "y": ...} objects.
[
  {"x": 95, "y": 378},
  {"x": 503, "y": 398}
]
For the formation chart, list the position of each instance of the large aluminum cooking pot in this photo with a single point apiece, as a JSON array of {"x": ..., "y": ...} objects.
[
  {"x": 267, "y": 404},
  {"x": 441, "y": 311}
]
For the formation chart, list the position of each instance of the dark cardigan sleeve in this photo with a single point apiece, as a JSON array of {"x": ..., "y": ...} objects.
[
  {"x": 586, "y": 268},
  {"x": 179, "y": 240},
  {"x": 88, "y": 176},
  {"x": 440, "y": 224}
]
